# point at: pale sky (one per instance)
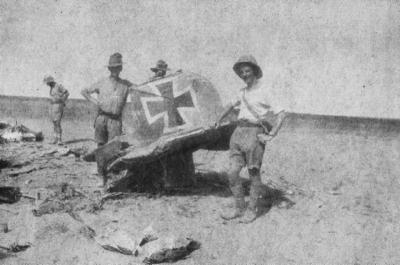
(322, 57)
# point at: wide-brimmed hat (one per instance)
(115, 60)
(161, 65)
(48, 79)
(248, 60)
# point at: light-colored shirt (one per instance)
(261, 101)
(58, 94)
(112, 94)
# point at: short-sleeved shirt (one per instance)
(58, 94)
(112, 94)
(261, 100)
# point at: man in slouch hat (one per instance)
(112, 93)
(160, 70)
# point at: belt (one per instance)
(246, 123)
(109, 115)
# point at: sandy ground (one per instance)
(344, 187)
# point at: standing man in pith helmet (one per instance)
(112, 93)
(58, 97)
(248, 141)
(160, 70)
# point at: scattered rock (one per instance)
(118, 241)
(28, 181)
(148, 235)
(18, 248)
(87, 232)
(63, 151)
(4, 227)
(289, 192)
(169, 249)
(51, 206)
(4, 163)
(15, 247)
(10, 194)
(65, 198)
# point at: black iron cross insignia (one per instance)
(168, 106)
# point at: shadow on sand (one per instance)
(211, 183)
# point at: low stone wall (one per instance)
(38, 108)
(79, 110)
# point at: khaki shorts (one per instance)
(56, 112)
(105, 129)
(245, 148)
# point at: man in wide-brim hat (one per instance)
(112, 93)
(254, 130)
(58, 97)
(160, 70)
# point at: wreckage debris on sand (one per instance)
(9, 194)
(15, 247)
(171, 251)
(152, 247)
(18, 133)
(164, 163)
(65, 199)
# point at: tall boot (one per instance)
(240, 204)
(255, 193)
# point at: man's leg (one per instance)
(57, 131)
(105, 155)
(56, 115)
(100, 130)
(255, 188)
(254, 157)
(236, 187)
(54, 140)
(101, 137)
(237, 162)
(255, 191)
(114, 128)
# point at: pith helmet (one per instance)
(48, 79)
(249, 60)
(115, 60)
(161, 65)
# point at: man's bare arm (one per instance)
(228, 110)
(87, 93)
(280, 118)
(65, 95)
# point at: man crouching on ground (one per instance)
(112, 95)
(247, 142)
